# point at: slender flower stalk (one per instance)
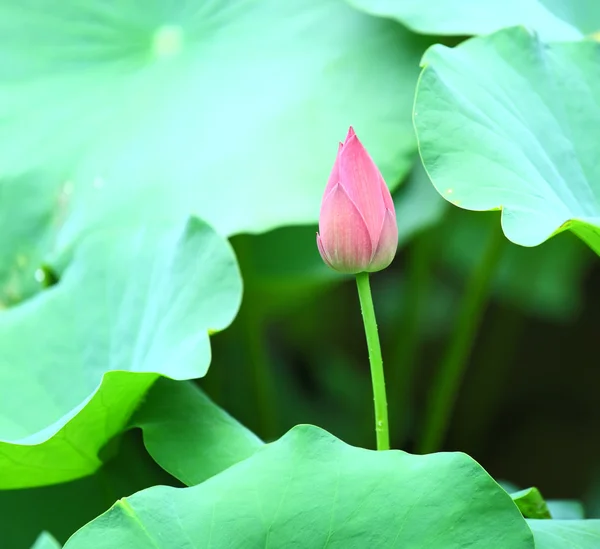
(358, 235)
(377, 377)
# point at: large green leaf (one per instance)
(563, 534)
(190, 436)
(553, 19)
(231, 110)
(311, 490)
(77, 359)
(508, 122)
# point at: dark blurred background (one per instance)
(527, 407)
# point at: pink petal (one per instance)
(350, 134)
(334, 177)
(387, 197)
(362, 181)
(323, 252)
(387, 243)
(344, 238)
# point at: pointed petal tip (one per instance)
(349, 135)
(362, 180)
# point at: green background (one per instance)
(165, 317)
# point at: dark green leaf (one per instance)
(64, 508)
(190, 436)
(531, 504)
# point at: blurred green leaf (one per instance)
(132, 304)
(229, 110)
(188, 435)
(46, 541)
(563, 534)
(566, 509)
(507, 485)
(552, 19)
(531, 503)
(508, 122)
(282, 267)
(309, 489)
(546, 281)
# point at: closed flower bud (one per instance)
(357, 225)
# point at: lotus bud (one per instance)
(357, 224)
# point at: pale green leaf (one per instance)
(131, 305)
(565, 534)
(229, 110)
(46, 541)
(566, 509)
(553, 19)
(509, 122)
(309, 489)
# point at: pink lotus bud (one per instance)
(357, 225)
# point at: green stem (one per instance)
(263, 378)
(377, 377)
(454, 362)
(251, 321)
